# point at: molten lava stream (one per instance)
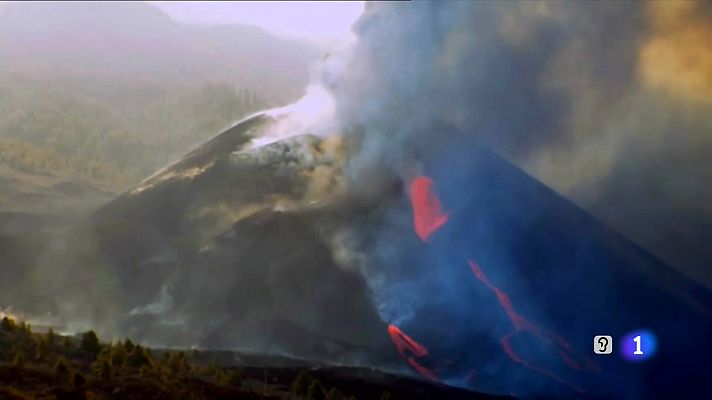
(520, 323)
(428, 216)
(404, 342)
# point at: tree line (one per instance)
(111, 134)
(84, 364)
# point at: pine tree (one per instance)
(315, 391)
(214, 367)
(41, 348)
(90, 345)
(234, 378)
(102, 369)
(51, 340)
(118, 355)
(300, 385)
(334, 394)
(145, 371)
(78, 380)
(8, 324)
(24, 329)
(61, 370)
(138, 357)
(19, 360)
(104, 354)
(129, 346)
(178, 363)
(149, 353)
(67, 344)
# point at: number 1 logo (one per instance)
(638, 351)
(639, 345)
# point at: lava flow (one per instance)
(563, 348)
(428, 216)
(404, 342)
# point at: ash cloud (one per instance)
(606, 102)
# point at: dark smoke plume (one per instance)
(606, 102)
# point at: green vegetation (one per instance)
(300, 386)
(334, 394)
(90, 345)
(110, 133)
(61, 370)
(84, 367)
(316, 391)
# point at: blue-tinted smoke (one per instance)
(437, 88)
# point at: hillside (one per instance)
(138, 41)
(100, 95)
(263, 250)
(209, 239)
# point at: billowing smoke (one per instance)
(606, 102)
(479, 276)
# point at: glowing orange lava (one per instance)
(428, 216)
(562, 347)
(509, 350)
(404, 342)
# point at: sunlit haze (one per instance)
(320, 21)
(392, 199)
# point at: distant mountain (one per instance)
(101, 94)
(138, 41)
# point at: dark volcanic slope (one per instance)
(562, 276)
(226, 249)
(231, 248)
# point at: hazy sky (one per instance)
(318, 21)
